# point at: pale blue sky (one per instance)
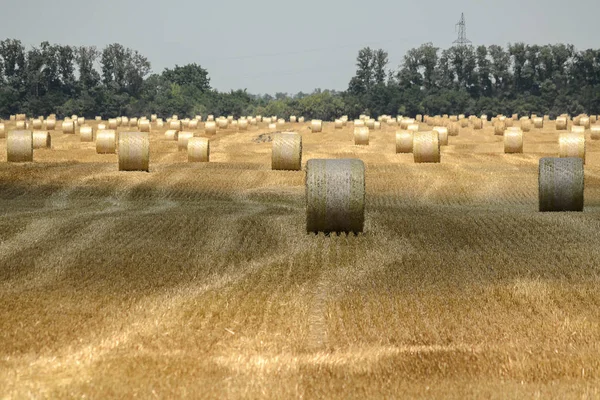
(270, 46)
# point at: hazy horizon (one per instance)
(269, 47)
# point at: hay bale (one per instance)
(561, 124)
(335, 195)
(361, 136)
(338, 124)
(585, 122)
(182, 140)
(499, 128)
(509, 122)
(359, 123)
(41, 140)
(560, 184)
(595, 129)
(80, 121)
(36, 124)
(464, 123)
(210, 128)
(442, 134)
(301, 120)
(2, 130)
(593, 119)
(243, 124)
(159, 123)
(513, 141)
(185, 123)
(412, 127)
(392, 122)
(144, 125)
(50, 124)
(426, 147)
(153, 117)
(134, 151)
(210, 117)
(538, 122)
(86, 133)
(198, 149)
(419, 118)
(19, 146)
(193, 124)
(405, 122)
(222, 123)
(124, 121)
(21, 125)
(370, 123)
(293, 119)
(477, 124)
(174, 117)
(286, 153)
(526, 126)
(172, 134)
(102, 127)
(316, 125)
(106, 141)
(571, 145)
(453, 129)
(577, 129)
(280, 123)
(175, 125)
(484, 118)
(112, 123)
(68, 127)
(404, 142)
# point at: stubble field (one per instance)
(199, 280)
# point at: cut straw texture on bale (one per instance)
(36, 124)
(513, 141)
(106, 141)
(134, 151)
(144, 125)
(442, 134)
(2, 130)
(316, 125)
(499, 128)
(335, 195)
(210, 128)
(198, 149)
(426, 147)
(404, 142)
(41, 140)
(171, 134)
(595, 129)
(112, 123)
(538, 122)
(571, 145)
(182, 140)
(560, 184)
(86, 133)
(19, 146)
(68, 127)
(50, 124)
(287, 152)
(361, 136)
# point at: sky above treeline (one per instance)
(269, 46)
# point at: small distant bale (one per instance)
(172, 134)
(86, 133)
(106, 141)
(426, 147)
(68, 126)
(293, 119)
(358, 123)
(159, 123)
(175, 125)
(198, 149)
(210, 117)
(210, 127)
(112, 123)
(50, 124)
(571, 145)
(301, 120)
(21, 125)
(513, 141)
(509, 122)
(80, 121)
(338, 124)
(442, 134)
(19, 146)
(453, 129)
(102, 127)
(561, 184)
(36, 124)
(419, 118)
(243, 124)
(370, 123)
(585, 122)
(405, 122)
(412, 127)
(335, 196)
(134, 151)
(316, 125)
(193, 124)
(561, 124)
(361, 136)
(499, 128)
(538, 122)
(41, 140)
(182, 140)
(464, 123)
(577, 129)
(286, 153)
(595, 129)
(477, 124)
(404, 142)
(377, 125)
(222, 123)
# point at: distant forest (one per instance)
(65, 80)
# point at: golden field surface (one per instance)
(200, 281)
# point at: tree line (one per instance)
(520, 78)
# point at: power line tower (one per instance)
(461, 27)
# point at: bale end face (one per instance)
(335, 196)
(561, 184)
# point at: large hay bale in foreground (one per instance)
(86, 133)
(316, 125)
(426, 147)
(595, 129)
(335, 195)
(560, 184)
(198, 149)
(404, 142)
(41, 140)
(513, 141)
(286, 153)
(182, 140)
(361, 136)
(210, 128)
(19, 146)
(442, 134)
(106, 141)
(571, 145)
(134, 151)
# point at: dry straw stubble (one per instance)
(19, 146)
(335, 195)
(286, 151)
(134, 151)
(561, 184)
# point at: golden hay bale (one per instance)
(412, 127)
(301, 120)
(377, 125)
(477, 124)
(571, 145)
(41, 140)
(293, 119)
(2, 130)
(483, 117)
(419, 118)
(21, 125)
(243, 124)
(198, 149)
(222, 123)
(182, 139)
(133, 122)
(453, 129)
(593, 119)
(12, 118)
(174, 117)
(585, 122)
(442, 134)
(210, 118)
(119, 121)
(144, 125)
(404, 142)
(286, 153)
(134, 151)
(361, 136)
(86, 133)
(464, 123)
(153, 117)
(513, 141)
(405, 122)
(370, 123)
(50, 124)
(595, 129)
(124, 121)
(526, 125)
(185, 123)
(499, 128)
(335, 195)
(112, 123)
(68, 126)
(193, 124)
(106, 141)
(453, 118)
(272, 127)
(577, 129)
(21, 117)
(538, 122)
(36, 124)
(19, 146)
(172, 134)
(509, 122)
(266, 120)
(159, 123)
(392, 122)
(560, 184)
(426, 147)
(80, 121)
(358, 123)
(338, 124)
(253, 121)
(515, 117)
(316, 125)
(175, 125)
(230, 118)
(561, 124)
(102, 127)
(210, 127)
(280, 123)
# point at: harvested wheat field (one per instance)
(200, 280)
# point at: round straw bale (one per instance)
(175, 125)
(172, 134)
(538, 122)
(19, 146)
(442, 134)
(405, 122)
(81, 121)
(41, 140)
(338, 124)
(392, 122)
(560, 184)
(210, 127)
(571, 145)
(185, 123)
(112, 123)
(412, 127)
(50, 124)
(453, 129)
(585, 122)
(222, 123)
(86, 133)
(358, 123)
(144, 125)
(210, 117)
(499, 128)
(404, 142)
(266, 120)
(125, 121)
(102, 127)
(426, 147)
(280, 123)
(106, 141)
(193, 124)
(230, 118)
(159, 123)
(253, 121)
(419, 118)
(174, 117)
(464, 123)
(595, 129)
(2, 130)
(12, 118)
(561, 124)
(272, 127)
(377, 125)
(134, 151)
(513, 141)
(36, 124)
(593, 119)
(293, 119)
(335, 195)
(477, 124)
(361, 136)
(316, 125)
(286, 153)
(182, 140)
(68, 126)
(153, 117)
(526, 125)
(301, 120)
(370, 123)
(483, 117)
(243, 124)
(21, 125)
(119, 121)
(578, 129)
(509, 122)
(198, 149)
